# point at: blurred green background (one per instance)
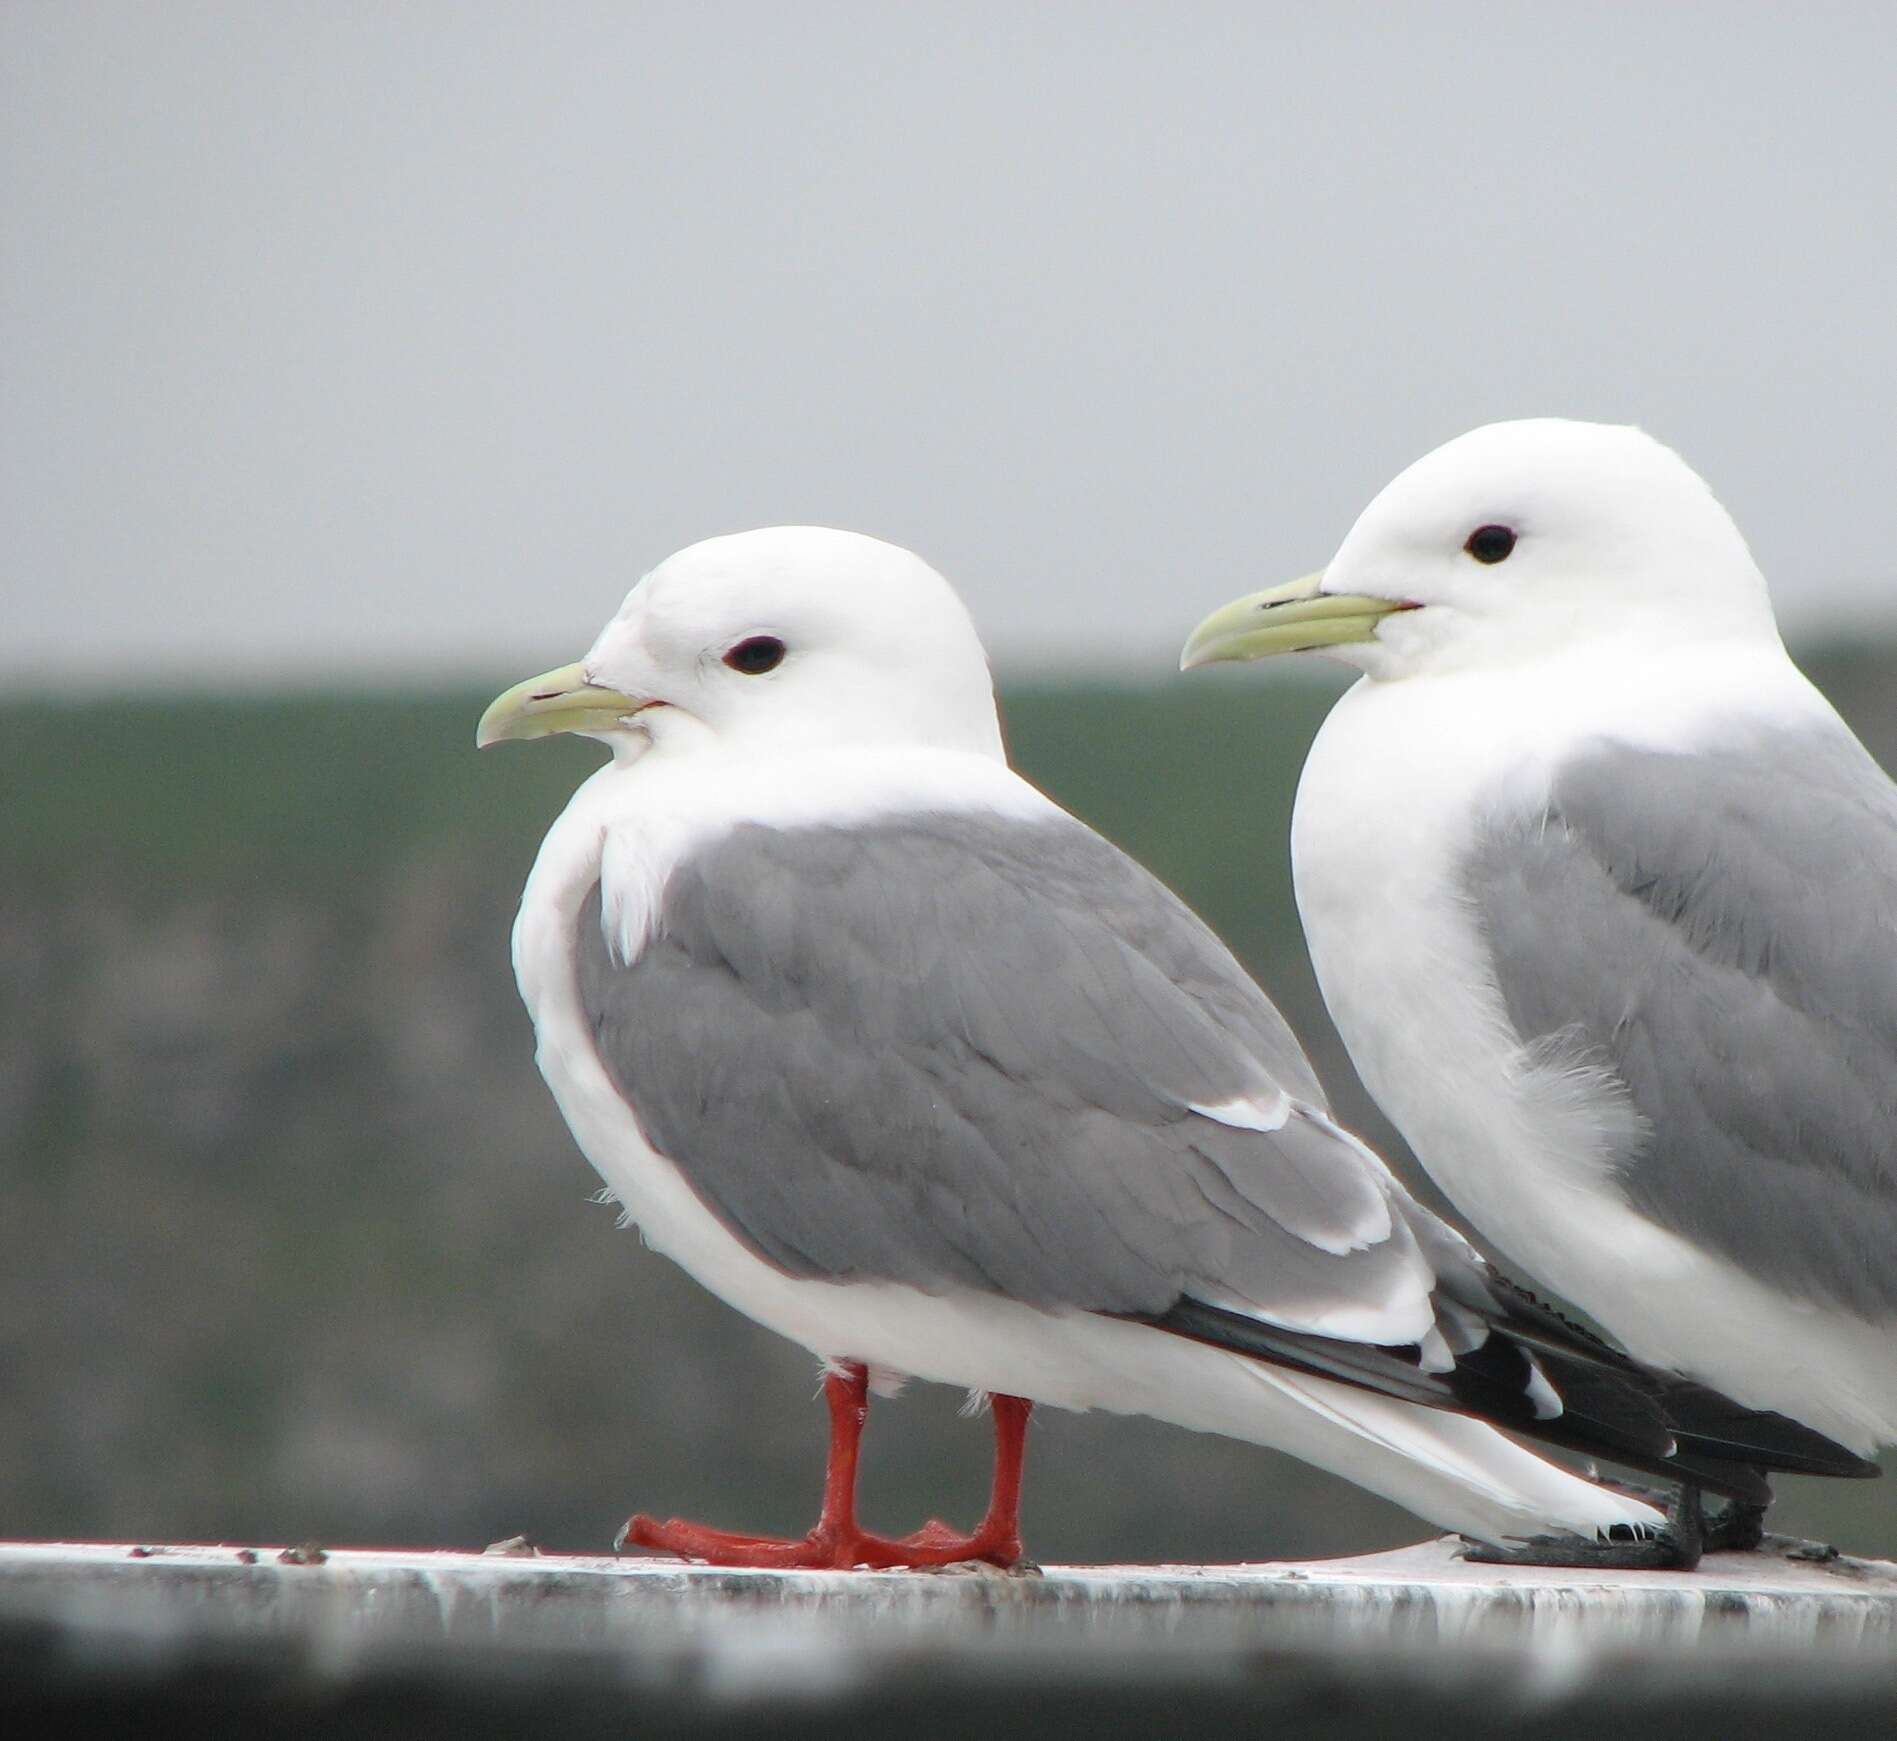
(293, 1243)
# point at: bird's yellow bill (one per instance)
(1295, 618)
(553, 702)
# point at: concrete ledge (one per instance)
(1418, 1594)
(418, 1637)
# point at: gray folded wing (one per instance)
(965, 1052)
(1720, 931)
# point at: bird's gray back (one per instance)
(1720, 929)
(961, 1052)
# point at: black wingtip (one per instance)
(1712, 1429)
(1712, 1425)
(1606, 1412)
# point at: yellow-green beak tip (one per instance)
(1298, 617)
(554, 702)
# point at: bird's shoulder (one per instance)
(931, 913)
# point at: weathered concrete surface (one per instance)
(1417, 1595)
(387, 1640)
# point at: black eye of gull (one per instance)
(755, 655)
(1490, 543)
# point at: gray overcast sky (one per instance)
(390, 338)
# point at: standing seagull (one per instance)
(1603, 897)
(901, 1060)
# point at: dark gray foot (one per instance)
(1658, 1553)
(1737, 1528)
(1676, 1548)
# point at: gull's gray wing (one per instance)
(1720, 931)
(964, 1051)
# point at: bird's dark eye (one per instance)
(1490, 543)
(755, 655)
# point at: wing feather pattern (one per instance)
(1716, 935)
(962, 1052)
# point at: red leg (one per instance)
(997, 1538)
(846, 1392)
(837, 1541)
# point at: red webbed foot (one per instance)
(823, 1549)
(995, 1543)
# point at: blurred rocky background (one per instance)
(294, 1244)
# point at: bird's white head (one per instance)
(785, 638)
(1512, 543)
